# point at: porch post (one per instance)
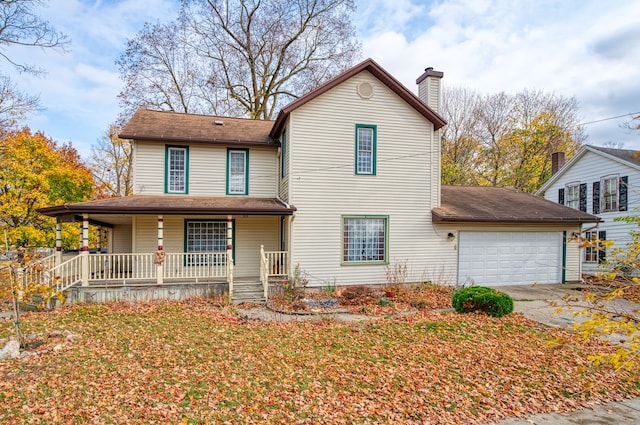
(160, 254)
(230, 254)
(58, 257)
(84, 250)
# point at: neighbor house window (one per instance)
(573, 196)
(364, 239)
(595, 251)
(610, 194)
(204, 237)
(366, 149)
(177, 164)
(237, 172)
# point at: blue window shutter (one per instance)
(561, 196)
(596, 197)
(583, 197)
(622, 193)
(602, 253)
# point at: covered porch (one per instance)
(232, 242)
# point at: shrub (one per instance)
(481, 298)
(355, 295)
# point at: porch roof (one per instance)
(503, 205)
(174, 205)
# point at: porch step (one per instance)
(248, 292)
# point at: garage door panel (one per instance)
(509, 258)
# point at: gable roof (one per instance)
(627, 157)
(164, 126)
(387, 79)
(502, 205)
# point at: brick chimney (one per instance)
(557, 161)
(429, 89)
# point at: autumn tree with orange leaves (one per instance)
(36, 172)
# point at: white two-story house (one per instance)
(600, 181)
(344, 184)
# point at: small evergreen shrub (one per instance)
(481, 298)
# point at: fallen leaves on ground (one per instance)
(187, 362)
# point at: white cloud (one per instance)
(572, 48)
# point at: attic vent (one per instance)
(218, 122)
(365, 90)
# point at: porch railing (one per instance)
(195, 265)
(121, 267)
(272, 264)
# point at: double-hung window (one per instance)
(203, 239)
(364, 239)
(176, 171)
(609, 194)
(595, 250)
(237, 172)
(366, 149)
(573, 196)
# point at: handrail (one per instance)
(272, 264)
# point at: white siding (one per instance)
(591, 167)
(207, 170)
(323, 184)
(121, 239)
(250, 233)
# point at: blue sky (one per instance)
(569, 47)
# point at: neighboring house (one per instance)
(344, 184)
(600, 181)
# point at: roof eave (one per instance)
(271, 143)
(63, 210)
(439, 218)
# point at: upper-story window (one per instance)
(366, 149)
(177, 169)
(283, 153)
(573, 195)
(237, 172)
(610, 194)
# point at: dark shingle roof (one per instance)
(502, 205)
(176, 127)
(174, 204)
(629, 155)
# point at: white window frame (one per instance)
(176, 174)
(572, 195)
(365, 239)
(591, 254)
(609, 200)
(237, 178)
(366, 135)
(204, 236)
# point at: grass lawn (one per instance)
(190, 362)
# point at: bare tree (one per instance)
(506, 140)
(20, 26)
(14, 104)
(240, 57)
(459, 138)
(111, 164)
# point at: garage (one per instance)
(510, 258)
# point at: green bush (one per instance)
(481, 298)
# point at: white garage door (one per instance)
(509, 258)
